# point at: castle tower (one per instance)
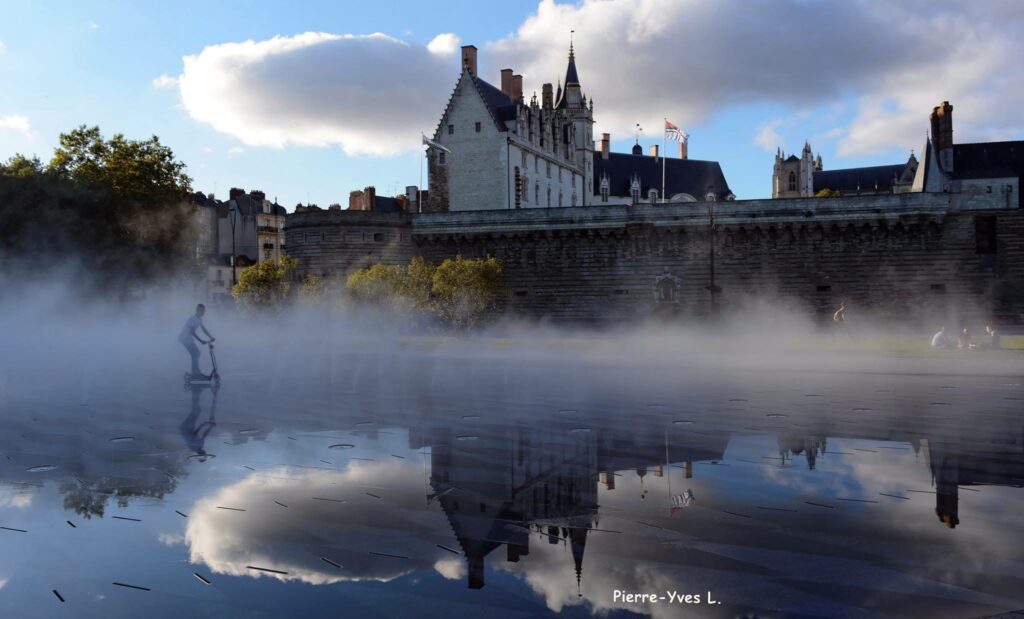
(574, 103)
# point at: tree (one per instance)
(265, 285)
(115, 205)
(20, 166)
(828, 193)
(313, 290)
(458, 291)
(463, 290)
(134, 170)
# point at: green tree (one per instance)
(383, 285)
(313, 290)
(828, 193)
(266, 285)
(20, 166)
(134, 170)
(465, 289)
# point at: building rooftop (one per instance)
(689, 176)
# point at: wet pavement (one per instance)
(436, 485)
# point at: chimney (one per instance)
(654, 150)
(257, 195)
(606, 143)
(369, 198)
(517, 88)
(235, 192)
(942, 134)
(506, 82)
(683, 154)
(412, 193)
(469, 59)
(355, 200)
(547, 96)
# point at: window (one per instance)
(524, 159)
(559, 199)
(985, 241)
(988, 189)
(548, 163)
(574, 198)
(521, 293)
(549, 197)
(536, 165)
(792, 181)
(451, 129)
(938, 287)
(536, 193)
(526, 189)
(478, 127)
(378, 237)
(824, 288)
(440, 158)
(604, 192)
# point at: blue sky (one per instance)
(313, 117)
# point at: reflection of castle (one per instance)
(996, 459)
(499, 491)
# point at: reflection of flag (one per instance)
(680, 501)
(433, 144)
(673, 132)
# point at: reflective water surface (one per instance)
(409, 484)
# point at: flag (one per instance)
(432, 144)
(673, 132)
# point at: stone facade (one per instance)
(942, 255)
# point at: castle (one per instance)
(585, 236)
(498, 152)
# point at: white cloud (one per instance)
(688, 59)
(768, 138)
(92, 25)
(3, 47)
(171, 539)
(369, 94)
(886, 63)
(165, 81)
(235, 151)
(446, 44)
(15, 123)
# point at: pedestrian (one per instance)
(188, 335)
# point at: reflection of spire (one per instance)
(578, 539)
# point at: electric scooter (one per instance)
(202, 379)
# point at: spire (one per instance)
(571, 78)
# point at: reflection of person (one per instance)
(995, 344)
(188, 335)
(195, 435)
(941, 340)
(966, 340)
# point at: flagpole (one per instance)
(419, 190)
(663, 153)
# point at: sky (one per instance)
(309, 101)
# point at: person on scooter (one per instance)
(188, 335)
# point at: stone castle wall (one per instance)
(903, 255)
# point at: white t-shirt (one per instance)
(939, 340)
(194, 322)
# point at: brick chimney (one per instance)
(235, 192)
(606, 143)
(369, 198)
(257, 195)
(654, 150)
(942, 134)
(469, 58)
(506, 82)
(547, 97)
(355, 200)
(517, 88)
(683, 154)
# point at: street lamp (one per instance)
(232, 216)
(712, 287)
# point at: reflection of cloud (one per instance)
(228, 542)
(171, 539)
(3, 583)
(452, 568)
(15, 499)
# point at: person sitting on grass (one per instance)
(995, 344)
(966, 340)
(941, 340)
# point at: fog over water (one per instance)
(525, 469)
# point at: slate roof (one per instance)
(501, 106)
(869, 179)
(988, 160)
(384, 204)
(690, 176)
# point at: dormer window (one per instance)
(604, 190)
(451, 129)
(440, 158)
(478, 127)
